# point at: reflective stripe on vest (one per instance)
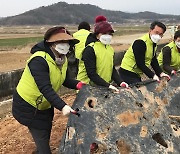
(28, 89)
(129, 62)
(175, 56)
(81, 35)
(104, 63)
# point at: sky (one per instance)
(15, 7)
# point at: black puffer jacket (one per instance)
(27, 114)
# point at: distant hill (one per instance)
(64, 13)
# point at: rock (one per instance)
(144, 119)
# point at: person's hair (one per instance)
(159, 24)
(177, 34)
(53, 31)
(84, 25)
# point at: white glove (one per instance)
(67, 109)
(173, 72)
(124, 84)
(113, 88)
(155, 77)
(165, 75)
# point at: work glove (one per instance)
(173, 72)
(165, 75)
(155, 77)
(113, 88)
(124, 84)
(66, 110)
(80, 85)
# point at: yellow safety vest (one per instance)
(104, 63)
(129, 62)
(175, 56)
(81, 35)
(28, 89)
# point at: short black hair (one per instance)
(177, 34)
(84, 25)
(159, 24)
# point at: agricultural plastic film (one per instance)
(144, 119)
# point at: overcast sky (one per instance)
(14, 7)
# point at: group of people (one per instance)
(96, 59)
(47, 70)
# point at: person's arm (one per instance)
(89, 59)
(116, 77)
(40, 72)
(167, 59)
(70, 83)
(139, 49)
(155, 65)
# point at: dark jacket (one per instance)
(27, 114)
(91, 38)
(166, 51)
(139, 49)
(89, 58)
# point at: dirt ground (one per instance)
(15, 138)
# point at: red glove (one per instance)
(124, 84)
(80, 85)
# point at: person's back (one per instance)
(81, 35)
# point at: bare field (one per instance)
(27, 31)
(15, 57)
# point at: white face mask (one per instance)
(155, 38)
(62, 48)
(106, 39)
(177, 44)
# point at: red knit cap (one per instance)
(100, 18)
(103, 27)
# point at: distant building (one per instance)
(173, 29)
